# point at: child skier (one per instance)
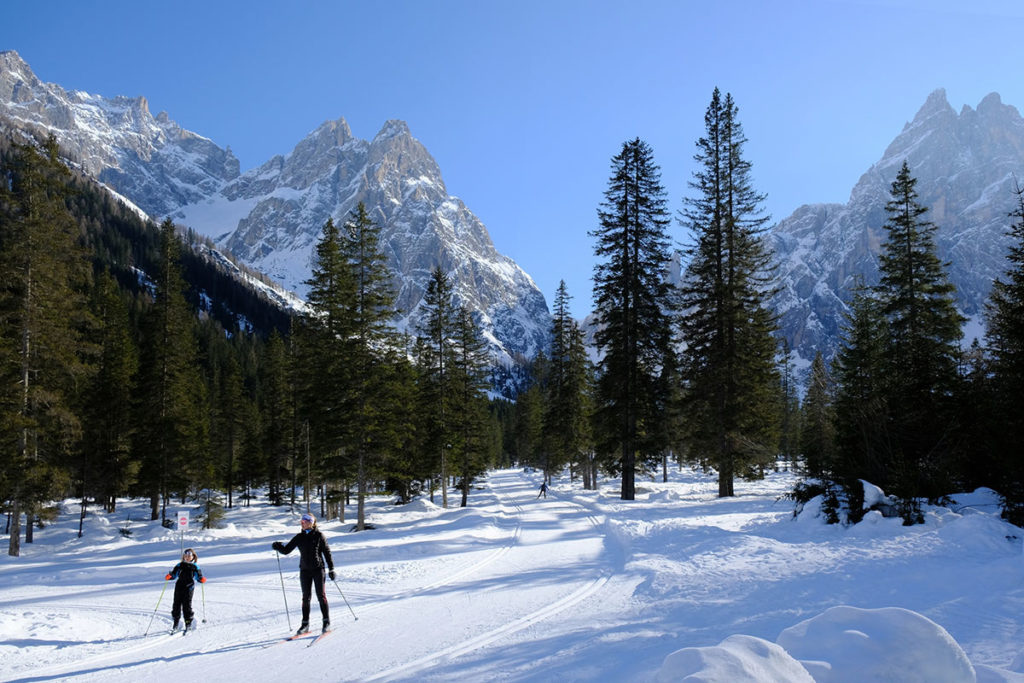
(187, 572)
(313, 554)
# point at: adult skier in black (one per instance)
(313, 555)
(187, 572)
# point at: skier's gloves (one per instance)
(167, 578)
(202, 580)
(331, 574)
(277, 546)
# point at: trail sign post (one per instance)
(183, 526)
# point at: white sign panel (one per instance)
(183, 520)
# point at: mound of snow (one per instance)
(886, 644)
(736, 659)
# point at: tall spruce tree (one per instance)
(43, 276)
(373, 347)
(324, 344)
(471, 426)
(1005, 341)
(434, 351)
(633, 309)
(277, 413)
(109, 465)
(567, 404)
(729, 363)
(863, 443)
(172, 416)
(922, 350)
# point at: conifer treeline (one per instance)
(695, 371)
(114, 386)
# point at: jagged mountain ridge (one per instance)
(150, 160)
(272, 216)
(966, 166)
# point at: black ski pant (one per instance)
(309, 577)
(182, 601)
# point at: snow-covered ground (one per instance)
(578, 586)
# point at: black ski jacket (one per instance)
(313, 550)
(187, 573)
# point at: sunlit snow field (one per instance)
(578, 586)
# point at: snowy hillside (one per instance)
(577, 586)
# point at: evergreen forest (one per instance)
(135, 364)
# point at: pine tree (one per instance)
(567, 405)
(789, 437)
(403, 469)
(277, 413)
(1005, 340)
(43, 277)
(172, 414)
(233, 415)
(922, 351)
(437, 327)
(633, 308)
(469, 374)
(817, 432)
(323, 346)
(373, 345)
(108, 425)
(863, 443)
(729, 364)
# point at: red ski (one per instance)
(318, 638)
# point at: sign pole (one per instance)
(182, 526)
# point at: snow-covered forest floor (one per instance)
(578, 586)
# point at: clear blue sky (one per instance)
(524, 103)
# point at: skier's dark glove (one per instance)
(331, 574)
(277, 546)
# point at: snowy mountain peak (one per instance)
(937, 104)
(965, 165)
(393, 128)
(271, 216)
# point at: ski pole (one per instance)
(155, 609)
(283, 594)
(335, 582)
(202, 587)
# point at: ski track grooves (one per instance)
(378, 602)
(500, 632)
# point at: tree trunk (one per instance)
(14, 546)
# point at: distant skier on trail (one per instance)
(187, 572)
(543, 489)
(313, 555)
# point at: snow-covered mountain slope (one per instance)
(965, 164)
(150, 160)
(271, 217)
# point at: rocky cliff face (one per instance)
(271, 216)
(966, 166)
(150, 160)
